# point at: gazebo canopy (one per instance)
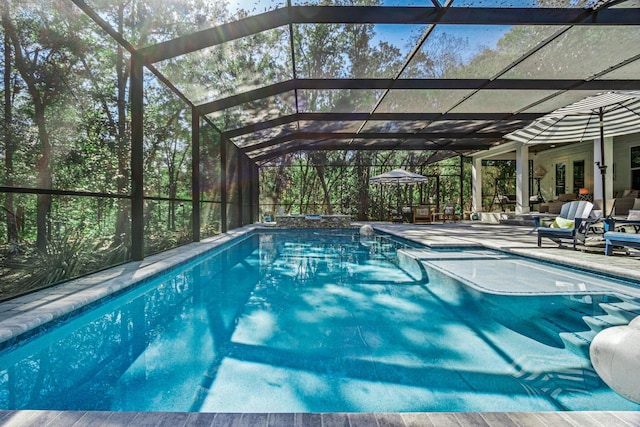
(454, 76)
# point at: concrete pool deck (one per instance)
(31, 311)
(519, 240)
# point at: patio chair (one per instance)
(407, 214)
(632, 220)
(572, 223)
(622, 206)
(448, 214)
(394, 216)
(421, 214)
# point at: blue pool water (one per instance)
(309, 322)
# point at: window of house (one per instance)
(561, 178)
(635, 168)
(578, 176)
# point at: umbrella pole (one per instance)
(601, 165)
(398, 196)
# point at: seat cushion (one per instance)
(634, 215)
(560, 222)
(556, 232)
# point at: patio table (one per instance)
(537, 219)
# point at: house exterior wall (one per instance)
(584, 151)
(567, 154)
(547, 159)
(622, 160)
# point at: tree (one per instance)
(44, 58)
(9, 144)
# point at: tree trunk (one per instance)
(12, 224)
(44, 181)
(362, 171)
(323, 183)
(279, 187)
(173, 191)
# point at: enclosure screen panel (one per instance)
(352, 50)
(501, 101)
(142, 20)
(420, 101)
(473, 51)
(337, 100)
(565, 57)
(255, 112)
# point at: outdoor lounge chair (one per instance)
(450, 214)
(572, 223)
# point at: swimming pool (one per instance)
(322, 322)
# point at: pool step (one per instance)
(618, 314)
(578, 342)
(623, 310)
(599, 323)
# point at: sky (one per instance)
(405, 36)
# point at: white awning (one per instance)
(580, 121)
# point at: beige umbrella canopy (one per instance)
(398, 177)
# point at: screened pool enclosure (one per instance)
(131, 127)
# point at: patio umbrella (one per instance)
(398, 177)
(598, 116)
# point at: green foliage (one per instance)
(70, 130)
(167, 225)
(338, 182)
(70, 253)
(499, 176)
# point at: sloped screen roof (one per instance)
(392, 75)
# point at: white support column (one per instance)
(476, 184)
(522, 179)
(597, 176)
